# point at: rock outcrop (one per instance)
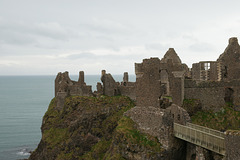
(95, 128)
(83, 122)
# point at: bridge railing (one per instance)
(201, 138)
(207, 130)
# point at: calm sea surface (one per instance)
(23, 102)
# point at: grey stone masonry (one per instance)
(232, 141)
(64, 87)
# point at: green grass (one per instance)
(134, 136)
(58, 133)
(98, 151)
(55, 136)
(167, 97)
(223, 120)
(192, 106)
(112, 130)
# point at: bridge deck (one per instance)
(207, 138)
(207, 130)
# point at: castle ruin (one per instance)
(212, 82)
(161, 87)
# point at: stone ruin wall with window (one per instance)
(216, 83)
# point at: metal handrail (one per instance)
(205, 129)
(199, 137)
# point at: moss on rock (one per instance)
(192, 106)
(93, 128)
(84, 125)
(130, 143)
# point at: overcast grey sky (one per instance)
(42, 37)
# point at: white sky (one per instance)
(44, 37)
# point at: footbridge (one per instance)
(202, 136)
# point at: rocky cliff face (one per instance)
(95, 128)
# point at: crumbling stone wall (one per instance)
(148, 85)
(112, 88)
(99, 89)
(178, 114)
(64, 87)
(62, 81)
(235, 95)
(212, 95)
(153, 121)
(226, 68)
(206, 71)
(156, 78)
(177, 87)
(230, 60)
(158, 123)
(176, 74)
(128, 89)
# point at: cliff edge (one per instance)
(95, 128)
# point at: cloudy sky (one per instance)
(44, 37)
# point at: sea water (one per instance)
(23, 102)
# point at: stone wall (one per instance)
(196, 71)
(213, 95)
(206, 71)
(112, 88)
(156, 78)
(158, 123)
(62, 81)
(154, 121)
(148, 85)
(210, 98)
(128, 89)
(178, 114)
(177, 87)
(230, 60)
(64, 87)
(232, 142)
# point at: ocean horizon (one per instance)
(23, 102)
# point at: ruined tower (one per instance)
(230, 60)
(156, 78)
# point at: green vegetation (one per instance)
(84, 128)
(93, 128)
(167, 97)
(223, 120)
(192, 106)
(133, 136)
(127, 139)
(55, 136)
(125, 134)
(98, 150)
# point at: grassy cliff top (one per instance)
(92, 128)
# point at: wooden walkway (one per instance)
(202, 136)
